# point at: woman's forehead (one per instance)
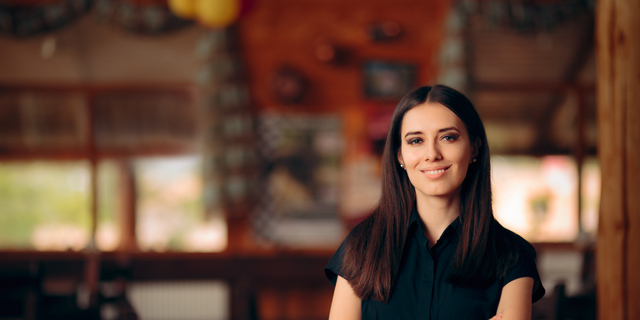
(430, 116)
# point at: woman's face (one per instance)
(435, 150)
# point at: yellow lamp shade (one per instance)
(217, 13)
(185, 9)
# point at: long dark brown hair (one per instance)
(374, 247)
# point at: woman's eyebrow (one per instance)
(441, 130)
(412, 133)
(448, 128)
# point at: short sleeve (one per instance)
(526, 267)
(334, 267)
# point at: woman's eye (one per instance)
(449, 138)
(415, 141)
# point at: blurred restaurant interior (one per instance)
(161, 161)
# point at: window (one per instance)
(45, 205)
(145, 143)
(170, 212)
(538, 197)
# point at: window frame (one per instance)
(91, 152)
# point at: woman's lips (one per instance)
(435, 173)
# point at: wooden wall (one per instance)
(288, 32)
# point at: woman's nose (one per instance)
(432, 152)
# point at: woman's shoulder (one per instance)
(520, 257)
(513, 242)
(354, 239)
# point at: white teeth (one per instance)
(434, 171)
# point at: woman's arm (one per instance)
(345, 304)
(515, 299)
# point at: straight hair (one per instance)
(485, 251)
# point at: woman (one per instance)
(432, 249)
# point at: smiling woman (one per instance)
(432, 243)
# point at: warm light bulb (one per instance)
(217, 13)
(185, 9)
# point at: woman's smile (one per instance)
(435, 173)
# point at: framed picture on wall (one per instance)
(302, 160)
(387, 80)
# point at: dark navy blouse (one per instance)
(422, 290)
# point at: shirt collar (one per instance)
(453, 227)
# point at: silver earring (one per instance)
(401, 166)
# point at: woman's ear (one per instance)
(400, 161)
(475, 148)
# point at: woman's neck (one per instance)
(437, 213)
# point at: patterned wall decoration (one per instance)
(145, 18)
(453, 59)
(23, 19)
(229, 156)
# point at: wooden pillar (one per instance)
(127, 212)
(618, 112)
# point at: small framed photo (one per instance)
(388, 80)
